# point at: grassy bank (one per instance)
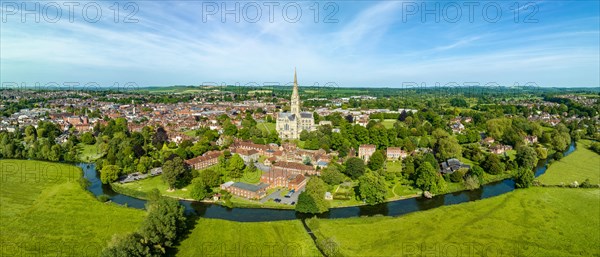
(577, 166)
(212, 237)
(529, 222)
(45, 212)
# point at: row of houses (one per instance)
(392, 153)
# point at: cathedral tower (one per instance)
(295, 101)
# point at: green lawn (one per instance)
(578, 166)
(45, 212)
(388, 123)
(89, 152)
(528, 222)
(212, 237)
(266, 126)
(394, 166)
(146, 185)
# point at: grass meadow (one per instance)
(527, 222)
(45, 212)
(578, 166)
(212, 237)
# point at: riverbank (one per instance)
(525, 222)
(577, 167)
(46, 212)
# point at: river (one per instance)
(393, 208)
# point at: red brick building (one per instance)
(206, 160)
(294, 168)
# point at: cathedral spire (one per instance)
(295, 101)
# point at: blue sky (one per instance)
(365, 43)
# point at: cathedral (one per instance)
(290, 124)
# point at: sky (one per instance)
(345, 44)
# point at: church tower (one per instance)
(295, 101)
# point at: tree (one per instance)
(372, 188)
(174, 172)
(109, 173)
(376, 161)
(524, 177)
(210, 177)
(472, 182)
(312, 200)
(526, 157)
(332, 176)
(88, 139)
(355, 167)
(458, 175)
(164, 222)
(129, 245)
(447, 148)
(408, 166)
(428, 179)
(492, 165)
(198, 190)
(236, 166)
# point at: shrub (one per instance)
(103, 198)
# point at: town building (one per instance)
(294, 168)
(289, 125)
(452, 165)
(396, 153)
(204, 161)
(246, 190)
(365, 152)
(289, 180)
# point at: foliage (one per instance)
(376, 161)
(523, 178)
(428, 179)
(526, 157)
(459, 175)
(332, 175)
(210, 177)
(472, 182)
(198, 189)
(312, 200)
(355, 167)
(109, 173)
(236, 166)
(372, 188)
(492, 164)
(165, 220)
(175, 173)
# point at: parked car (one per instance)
(277, 200)
(293, 203)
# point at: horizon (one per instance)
(355, 44)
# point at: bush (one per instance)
(103, 198)
(523, 178)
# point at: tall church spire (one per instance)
(295, 101)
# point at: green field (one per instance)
(578, 166)
(89, 152)
(266, 126)
(146, 185)
(45, 212)
(212, 237)
(528, 222)
(388, 123)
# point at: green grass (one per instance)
(212, 237)
(529, 222)
(251, 177)
(89, 152)
(393, 166)
(45, 212)
(146, 185)
(266, 126)
(578, 166)
(388, 123)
